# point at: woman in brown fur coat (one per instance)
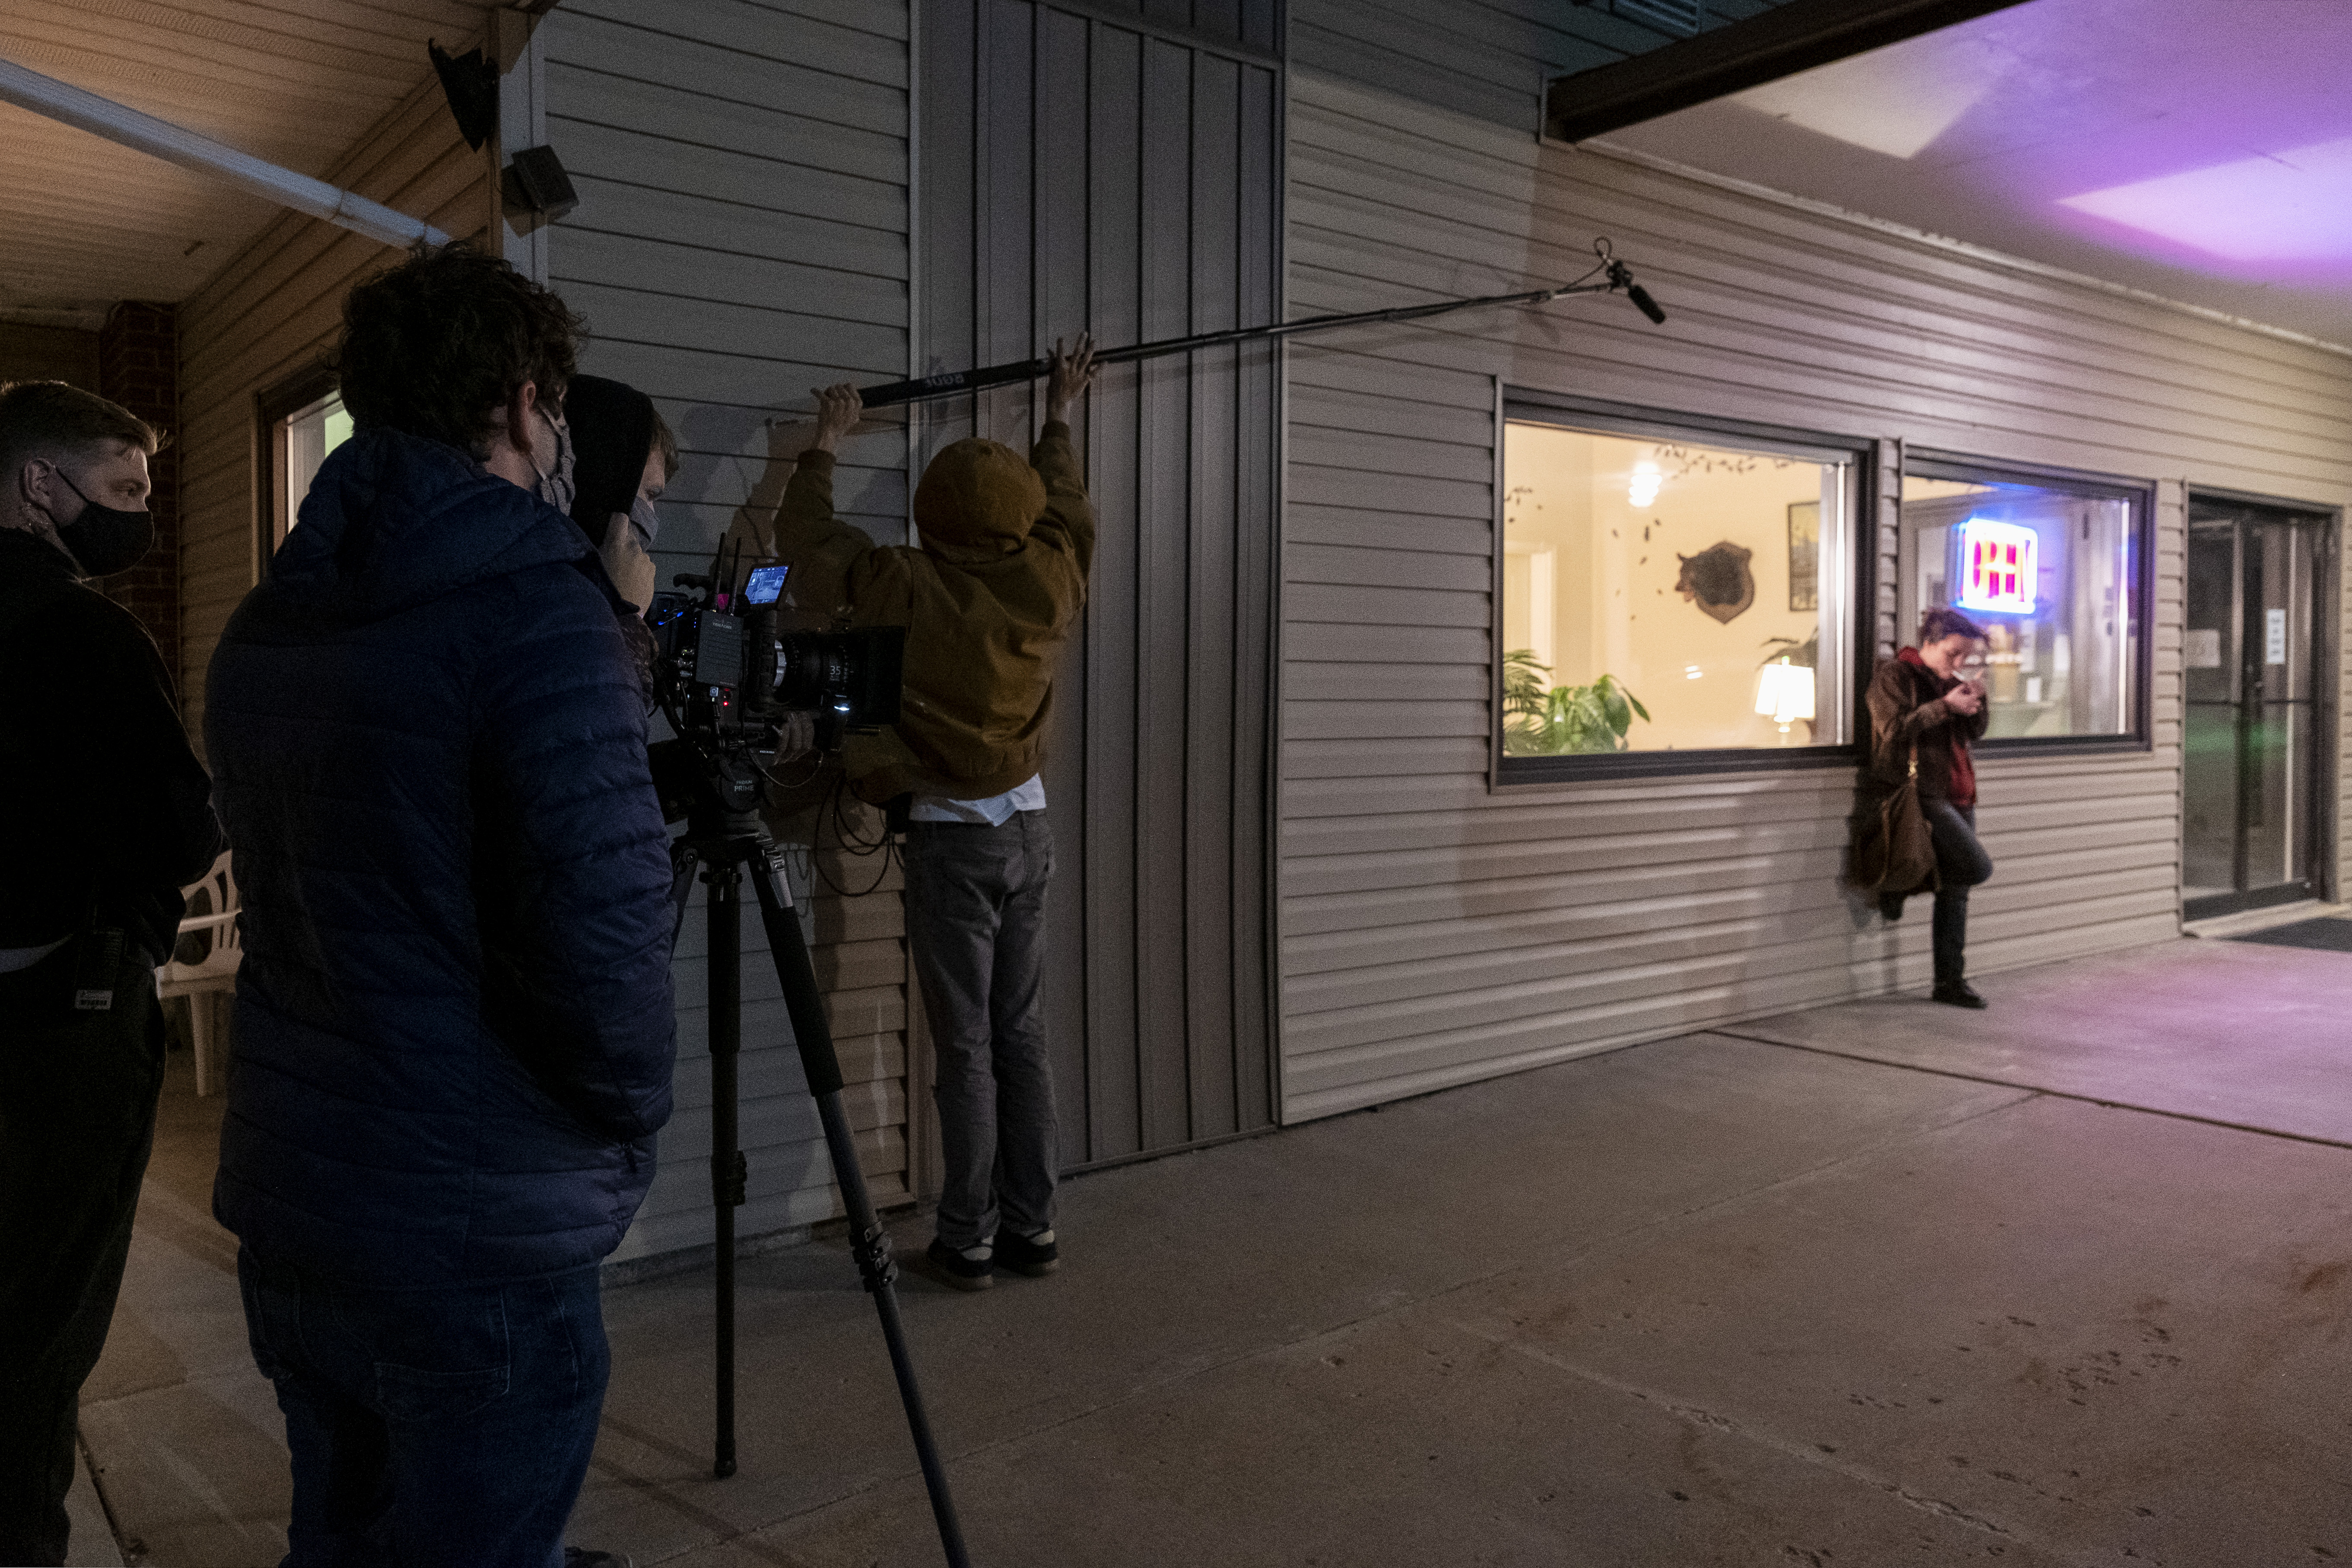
(1921, 701)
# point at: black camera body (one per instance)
(728, 678)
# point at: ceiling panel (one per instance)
(298, 83)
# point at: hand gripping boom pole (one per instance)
(1616, 279)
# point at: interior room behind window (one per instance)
(2060, 656)
(304, 439)
(1683, 569)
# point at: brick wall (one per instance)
(49, 353)
(139, 367)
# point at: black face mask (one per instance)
(105, 540)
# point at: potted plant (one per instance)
(1542, 720)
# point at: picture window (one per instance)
(2051, 569)
(1672, 595)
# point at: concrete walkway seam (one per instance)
(2038, 1088)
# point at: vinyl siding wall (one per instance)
(1434, 931)
(742, 236)
(270, 315)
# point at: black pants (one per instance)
(1960, 864)
(77, 1118)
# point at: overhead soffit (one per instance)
(1730, 52)
(2132, 141)
(299, 83)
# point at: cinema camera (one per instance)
(727, 679)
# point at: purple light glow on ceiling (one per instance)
(2292, 208)
(2198, 152)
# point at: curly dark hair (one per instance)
(438, 345)
(1944, 622)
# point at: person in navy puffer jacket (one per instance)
(454, 1034)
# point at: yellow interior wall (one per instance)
(1616, 609)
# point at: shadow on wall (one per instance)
(734, 464)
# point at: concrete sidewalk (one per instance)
(1995, 1292)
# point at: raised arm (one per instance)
(1069, 519)
(1896, 727)
(823, 550)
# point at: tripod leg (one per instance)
(728, 1167)
(683, 857)
(871, 1244)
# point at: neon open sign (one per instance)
(1997, 567)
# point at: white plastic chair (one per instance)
(204, 962)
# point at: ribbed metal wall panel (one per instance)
(1434, 931)
(1116, 167)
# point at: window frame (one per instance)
(1931, 463)
(271, 408)
(1601, 416)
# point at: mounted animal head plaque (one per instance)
(1717, 580)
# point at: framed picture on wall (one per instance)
(1805, 554)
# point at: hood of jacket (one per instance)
(977, 502)
(393, 520)
(612, 432)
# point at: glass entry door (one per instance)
(2255, 726)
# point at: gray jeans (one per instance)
(976, 926)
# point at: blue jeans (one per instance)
(976, 930)
(1960, 864)
(432, 1429)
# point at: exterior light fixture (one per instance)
(534, 182)
(1997, 567)
(1784, 694)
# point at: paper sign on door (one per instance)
(2274, 637)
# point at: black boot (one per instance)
(1958, 993)
(1891, 905)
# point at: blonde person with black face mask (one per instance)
(105, 814)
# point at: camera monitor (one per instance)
(764, 585)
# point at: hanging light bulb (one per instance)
(1646, 480)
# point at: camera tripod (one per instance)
(724, 841)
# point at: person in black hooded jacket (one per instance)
(453, 1028)
(626, 458)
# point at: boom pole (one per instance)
(955, 382)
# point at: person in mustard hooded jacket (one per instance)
(987, 600)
